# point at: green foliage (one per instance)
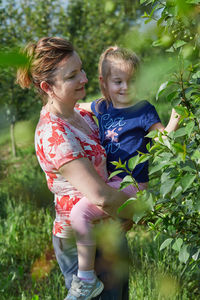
(174, 157)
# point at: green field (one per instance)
(28, 266)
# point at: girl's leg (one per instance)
(116, 284)
(82, 215)
(66, 255)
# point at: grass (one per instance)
(28, 267)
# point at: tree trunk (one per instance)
(12, 125)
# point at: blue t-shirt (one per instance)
(122, 133)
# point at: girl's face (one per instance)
(69, 80)
(118, 82)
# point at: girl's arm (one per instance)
(82, 175)
(171, 126)
(86, 106)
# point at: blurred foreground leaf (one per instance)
(12, 59)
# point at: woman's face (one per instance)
(69, 80)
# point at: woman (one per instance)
(70, 154)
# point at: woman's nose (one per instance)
(83, 77)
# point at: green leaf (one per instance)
(196, 75)
(118, 164)
(196, 255)
(177, 244)
(189, 127)
(127, 180)
(157, 168)
(129, 201)
(166, 187)
(35, 297)
(161, 89)
(180, 132)
(176, 101)
(144, 158)
(115, 173)
(171, 49)
(192, 1)
(133, 162)
(195, 155)
(145, 15)
(150, 203)
(182, 111)
(166, 243)
(178, 148)
(172, 95)
(109, 6)
(152, 134)
(186, 181)
(184, 254)
(178, 44)
(177, 191)
(138, 216)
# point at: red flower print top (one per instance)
(58, 142)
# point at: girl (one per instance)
(123, 125)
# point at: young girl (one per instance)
(123, 126)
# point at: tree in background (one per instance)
(90, 25)
(21, 22)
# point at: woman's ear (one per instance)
(45, 87)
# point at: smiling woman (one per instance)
(69, 152)
(68, 88)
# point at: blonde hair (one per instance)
(104, 67)
(43, 59)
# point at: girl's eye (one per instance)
(117, 82)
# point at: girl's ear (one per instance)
(46, 87)
(102, 82)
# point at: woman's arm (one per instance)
(86, 106)
(82, 175)
(171, 126)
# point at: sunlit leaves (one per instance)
(133, 162)
(175, 160)
(166, 187)
(177, 244)
(187, 181)
(184, 254)
(166, 243)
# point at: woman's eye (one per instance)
(71, 77)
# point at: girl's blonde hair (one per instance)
(43, 59)
(111, 54)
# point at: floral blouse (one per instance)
(58, 142)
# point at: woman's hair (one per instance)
(43, 59)
(111, 54)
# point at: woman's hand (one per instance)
(126, 225)
(82, 175)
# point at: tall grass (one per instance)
(28, 267)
